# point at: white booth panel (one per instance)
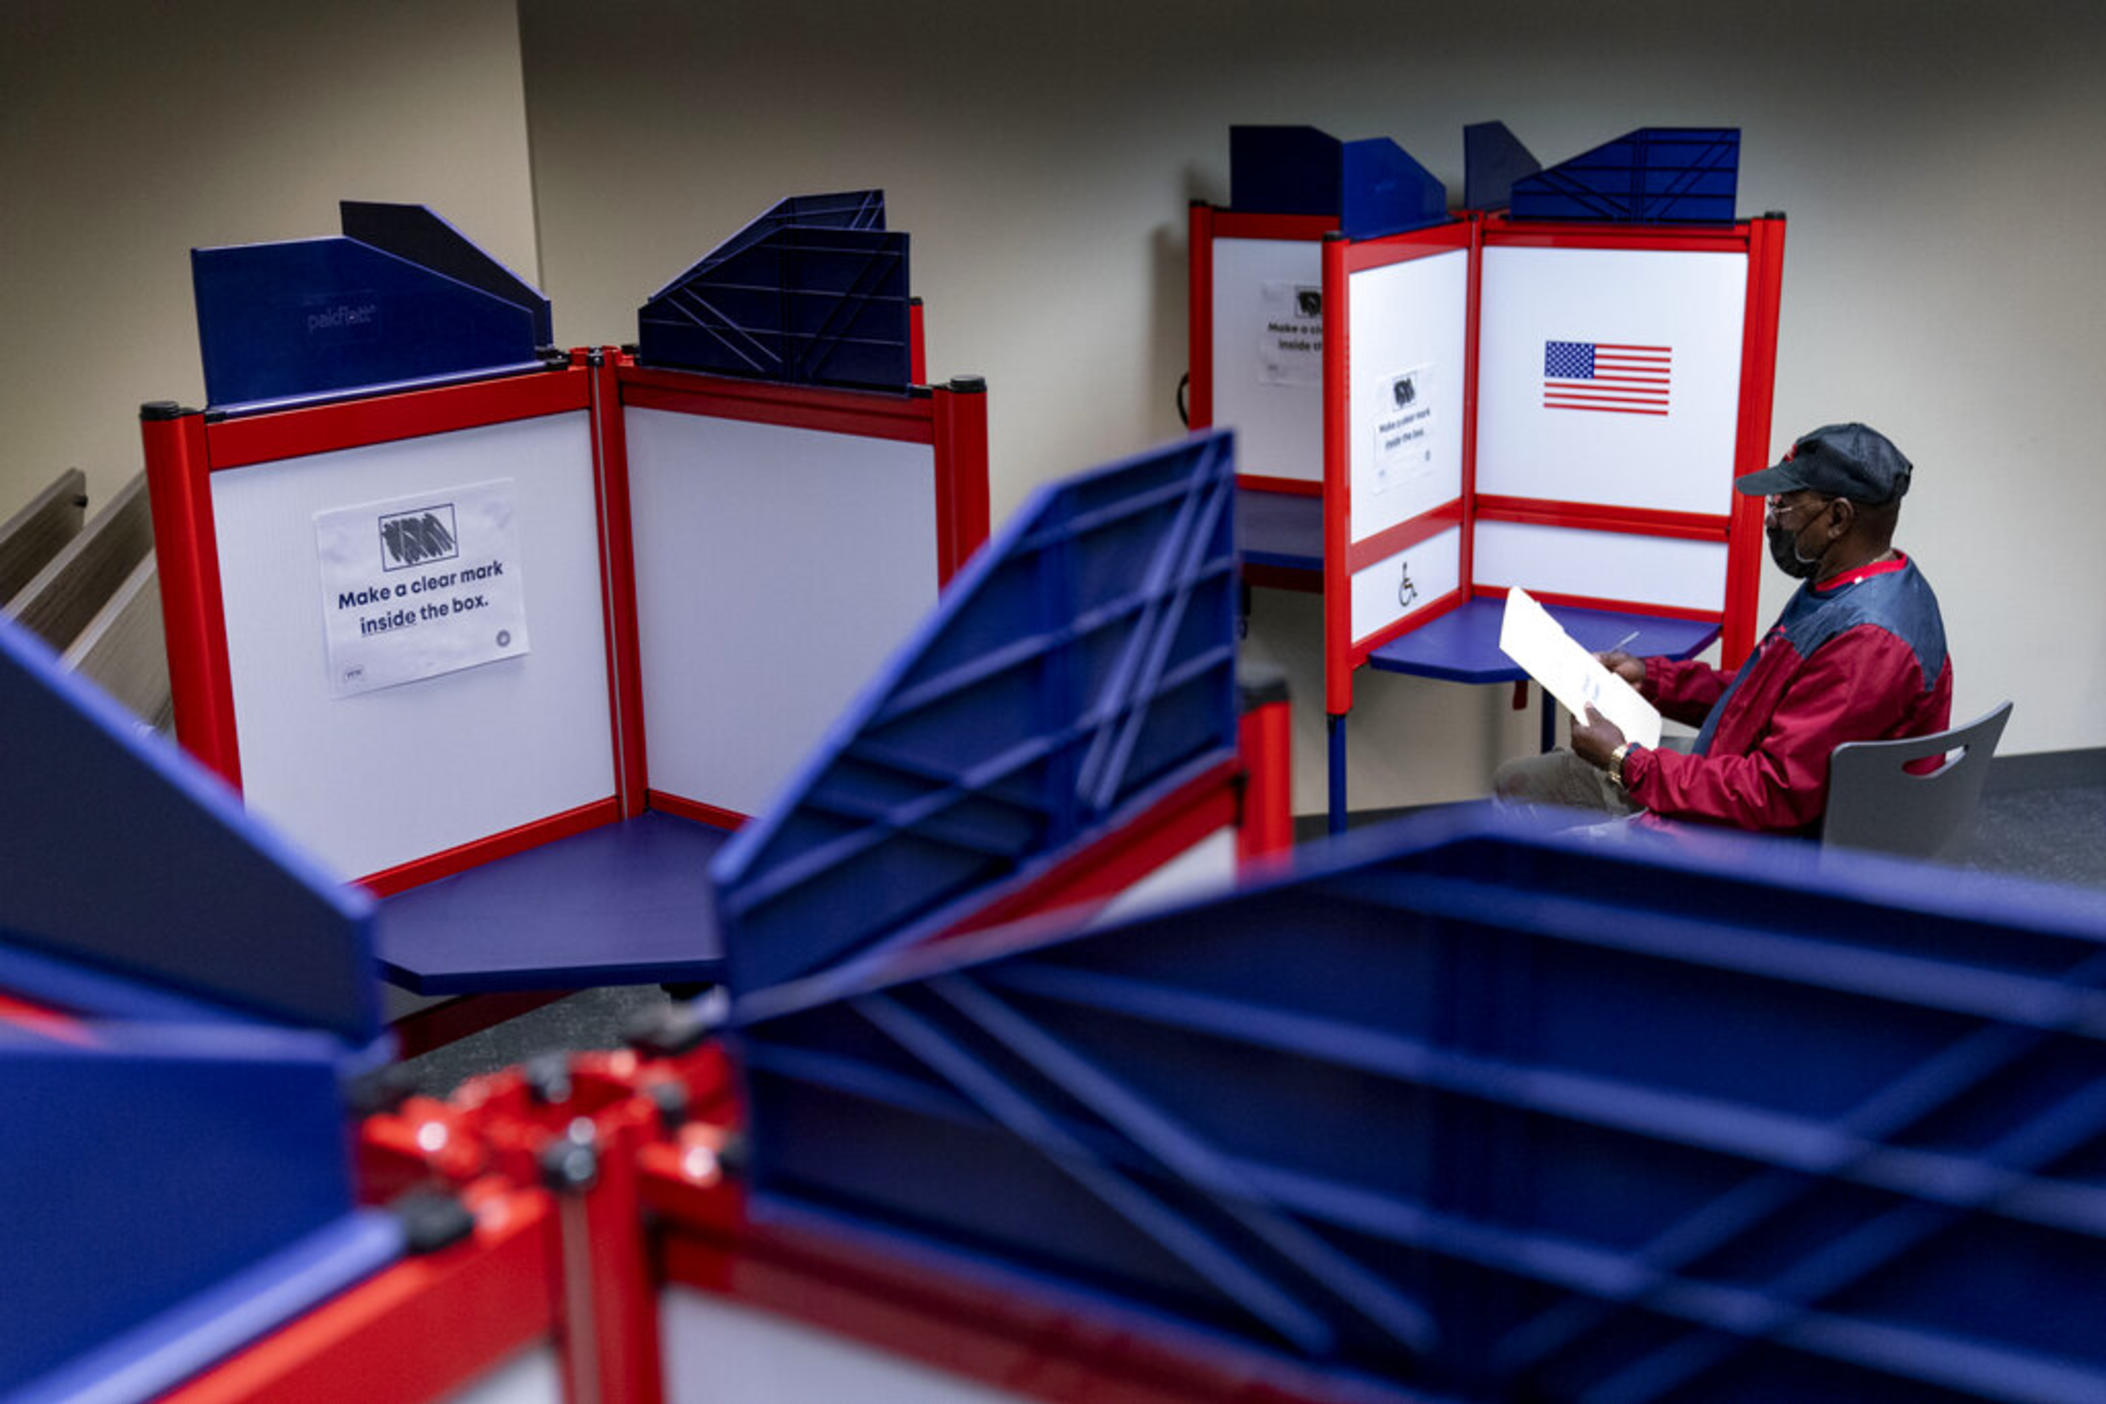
(1407, 328)
(1206, 869)
(1688, 304)
(1268, 354)
(532, 1377)
(1604, 565)
(776, 570)
(719, 1352)
(378, 778)
(1407, 582)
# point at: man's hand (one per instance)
(1595, 738)
(1623, 665)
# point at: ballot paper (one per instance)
(1529, 636)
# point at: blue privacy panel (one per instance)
(1655, 175)
(813, 292)
(1487, 1114)
(1493, 159)
(1373, 186)
(123, 855)
(1078, 669)
(414, 233)
(316, 317)
(147, 1168)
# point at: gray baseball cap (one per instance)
(1841, 460)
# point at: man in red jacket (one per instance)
(1857, 655)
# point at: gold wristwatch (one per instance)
(1616, 764)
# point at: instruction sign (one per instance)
(415, 587)
(1291, 342)
(1404, 429)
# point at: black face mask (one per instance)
(1784, 550)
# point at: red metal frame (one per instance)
(1603, 602)
(1199, 316)
(457, 1018)
(1342, 555)
(193, 618)
(951, 419)
(713, 815)
(420, 1330)
(1265, 834)
(183, 452)
(961, 475)
(1293, 487)
(1758, 363)
(1205, 224)
(488, 849)
(610, 458)
(1740, 528)
(1202, 806)
(917, 343)
(1594, 516)
(1338, 486)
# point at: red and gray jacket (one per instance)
(1857, 658)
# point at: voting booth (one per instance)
(1063, 732)
(1706, 1116)
(1556, 396)
(438, 596)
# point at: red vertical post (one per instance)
(1758, 383)
(1199, 259)
(917, 343)
(610, 464)
(1472, 316)
(193, 614)
(961, 473)
(1338, 483)
(1265, 738)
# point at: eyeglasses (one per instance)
(1777, 504)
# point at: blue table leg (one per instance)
(1338, 781)
(1550, 720)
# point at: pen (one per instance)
(1621, 642)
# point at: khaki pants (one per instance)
(1561, 779)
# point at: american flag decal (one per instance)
(1619, 379)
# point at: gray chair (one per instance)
(1874, 803)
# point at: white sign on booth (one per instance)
(415, 587)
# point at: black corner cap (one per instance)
(163, 409)
(680, 1027)
(548, 1078)
(1773, 214)
(570, 1167)
(968, 385)
(1332, 235)
(379, 1090)
(669, 1095)
(913, 302)
(734, 1155)
(629, 348)
(1261, 686)
(555, 359)
(431, 1220)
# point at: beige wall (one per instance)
(131, 132)
(1941, 165)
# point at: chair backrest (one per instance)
(1875, 802)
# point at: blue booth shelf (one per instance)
(400, 299)
(1464, 1111)
(814, 292)
(1655, 175)
(1373, 186)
